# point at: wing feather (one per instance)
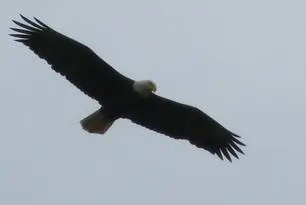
(78, 63)
(182, 121)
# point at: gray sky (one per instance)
(242, 62)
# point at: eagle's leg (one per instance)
(98, 122)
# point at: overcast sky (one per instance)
(241, 62)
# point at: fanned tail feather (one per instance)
(97, 123)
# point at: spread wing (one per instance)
(78, 63)
(181, 121)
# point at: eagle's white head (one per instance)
(144, 87)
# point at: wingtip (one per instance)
(23, 17)
(14, 21)
(218, 153)
(40, 22)
(226, 154)
(238, 141)
(232, 151)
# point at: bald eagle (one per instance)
(122, 97)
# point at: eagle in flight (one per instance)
(122, 97)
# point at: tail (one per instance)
(97, 122)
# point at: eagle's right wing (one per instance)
(78, 63)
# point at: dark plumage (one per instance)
(118, 96)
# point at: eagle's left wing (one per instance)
(182, 121)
